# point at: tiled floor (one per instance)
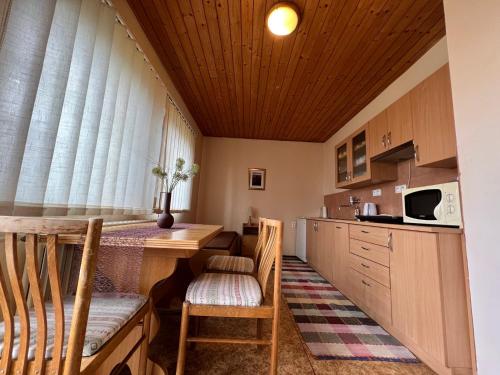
(294, 358)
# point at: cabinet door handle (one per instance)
(364, 265)
(338, 227)
(389, 138)
(384, 141)
(365, 248)
(417, 153)
(365, 231)
(389, 242)
(365, 283)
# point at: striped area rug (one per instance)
(331, 326)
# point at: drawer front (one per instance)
(371, 269)
(376, 253)
(375, 299)
(375, 235)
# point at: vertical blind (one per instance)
(81, 113)
(179, 141)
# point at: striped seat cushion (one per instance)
(228, 263)
(226, 289)
(108, 313)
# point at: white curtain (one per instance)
(180, 142)
(81, 111)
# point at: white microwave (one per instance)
(433, 205)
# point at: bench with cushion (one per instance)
(225, 243)
(228, 241)
(238, 264)
(108, 313)
(82, 334)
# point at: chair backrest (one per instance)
(260, 242)
(35, 230)
(271, 254)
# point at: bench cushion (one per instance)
(108, 313)
(226, 289)
(223, 240)
(229, 263)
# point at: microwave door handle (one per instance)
(438, 212)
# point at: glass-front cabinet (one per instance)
(352, 157)
(359, 156)
(342, 164)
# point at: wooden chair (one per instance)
(29, 335)
(238, 264)
(245, 300)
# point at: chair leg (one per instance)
(259, 328)
(145, 344)
(196, 331)
(181, 356)
(274, 342)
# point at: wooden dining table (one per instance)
(165, 272)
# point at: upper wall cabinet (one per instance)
(433, 123)
(377, 127)
(391, 128)
(399, 122)
(354, 168)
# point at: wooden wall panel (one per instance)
(239, 80)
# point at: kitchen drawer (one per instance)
(375, 235)
(371, 269)
(372, 297)
(376, 253)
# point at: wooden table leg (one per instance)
(164, 279)
(154, 269)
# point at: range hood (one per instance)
(404, 152)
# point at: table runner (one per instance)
(119, 258)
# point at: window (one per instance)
(179, 142)
(81, 114)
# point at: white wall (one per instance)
(293, 186)
(473, 29)
(435, 58)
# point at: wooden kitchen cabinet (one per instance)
(353, 165)
(433, 122)
(340, 259)
(320, 246)
(354, 168)
(325, 247)
(429, 298)
(311, 240)
(391, 128)
(377, 128)
(327, 244)
(411, 281)
(399, 122)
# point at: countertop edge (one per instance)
(416, 228)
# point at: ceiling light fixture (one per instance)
(283, 18)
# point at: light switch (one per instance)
(377, 192)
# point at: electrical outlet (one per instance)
(376, 192)
(294, 224)
(398, 189)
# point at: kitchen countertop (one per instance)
(418, 228)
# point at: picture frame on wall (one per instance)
(256, 179)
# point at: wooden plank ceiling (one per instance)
(239, 80)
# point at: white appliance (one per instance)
(300, 239)
(433, 205)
